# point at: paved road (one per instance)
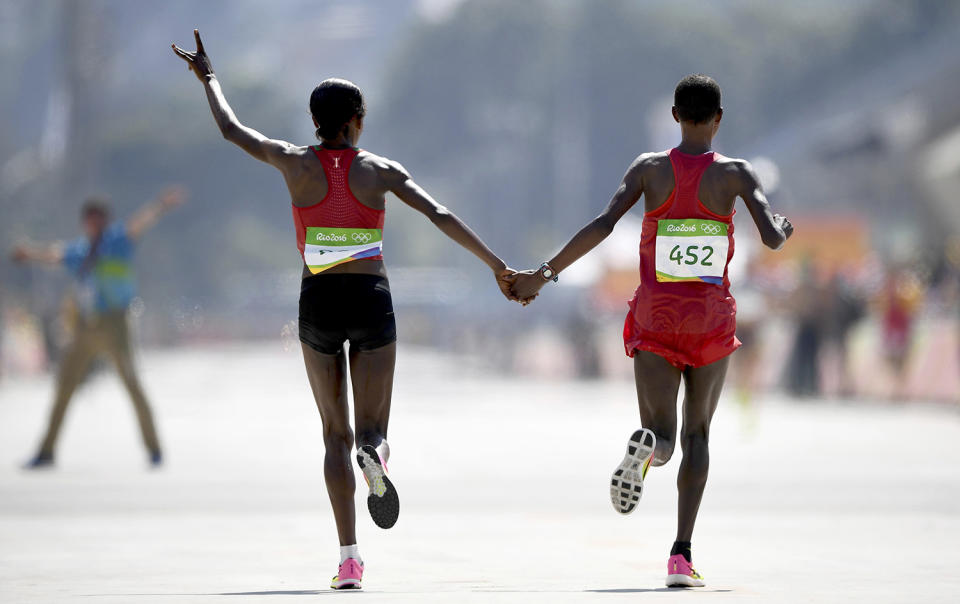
(503, 487)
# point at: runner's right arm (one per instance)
(528, 283)
(271, 151)
(774, 228)
(51, 253)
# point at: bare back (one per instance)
(719, 188)
(368, 180)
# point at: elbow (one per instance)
(441, 216)
(229, 131)
(603, 225)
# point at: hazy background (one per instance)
(521, 117)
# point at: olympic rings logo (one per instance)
(362, 237)
(710, 229)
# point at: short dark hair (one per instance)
(697, 98)
(333, 104)
(95, 206)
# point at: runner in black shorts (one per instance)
(338, 195)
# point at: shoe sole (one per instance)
(383, 502)
(626, 484)
(346, 584)
(683, 581)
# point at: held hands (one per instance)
(519, 286)
(197, 62)
(506, 281)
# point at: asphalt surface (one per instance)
(503, 487)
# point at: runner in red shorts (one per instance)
(682, 319)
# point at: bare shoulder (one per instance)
(734, 169)
(388, 171)
(650, 162)
(650, 169)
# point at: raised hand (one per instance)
(785, 225)
(526, 286)
(197, 62)
(172, 197)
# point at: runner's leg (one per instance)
(657, 385)
(371, 373)
(328, 380)
(702, 392)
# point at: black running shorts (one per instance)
(346, 307)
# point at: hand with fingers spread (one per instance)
(526, 285)
(197, 61)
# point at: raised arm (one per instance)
(400, 183)
(528, 283)
(148, 215)
(273, 152)
(774, 228)
(49, 253)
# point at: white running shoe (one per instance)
(626, 485)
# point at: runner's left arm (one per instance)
(147, 216)
(274, 152)
(528, 283)
(774, 228)
(400, 183)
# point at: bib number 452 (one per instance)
(692, 255)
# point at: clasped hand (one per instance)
(520, 286)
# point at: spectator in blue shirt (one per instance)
(100, 263)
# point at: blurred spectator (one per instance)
(900, 300)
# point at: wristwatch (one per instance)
(548, 274)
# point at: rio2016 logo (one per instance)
(710, 229)
(362, 237)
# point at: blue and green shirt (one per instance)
(108, 284)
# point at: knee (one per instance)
(695, 439)
(338, 437)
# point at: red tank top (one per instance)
(683, 304)
(339, 209)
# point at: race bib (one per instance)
(325, 247)
(691, 250)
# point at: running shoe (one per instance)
(383, 502)
(349, 575)
(626, 485)
(681, 573)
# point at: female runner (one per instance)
(338, 191)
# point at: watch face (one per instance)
(546, 272)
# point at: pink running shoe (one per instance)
(350, 575)
(681, 573)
